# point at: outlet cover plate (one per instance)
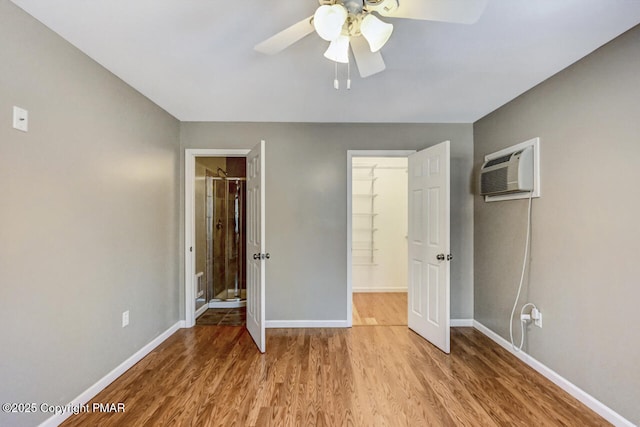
(20, 119)
(538, 322)
(125, 318)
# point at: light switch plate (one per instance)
(20, 119)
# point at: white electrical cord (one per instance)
(524, 266)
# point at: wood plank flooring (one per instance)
(379, 308)
(362, 376)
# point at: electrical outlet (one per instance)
(125, 318)
(538, 322)
(536, 315)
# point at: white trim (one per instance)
(584, 397)
(535, 143)
(367, 290)
(201, 310)
(307, 324)
(227, 304)
(350, 155)
(217, 152)
(103, 382)
(461, 323)
(190, 155)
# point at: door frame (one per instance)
(190, 155)
(350, 155)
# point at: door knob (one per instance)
(440, 257)
(267, 256)
(449, 257)
(256, 256)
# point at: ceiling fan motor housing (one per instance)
(381, 5)
(353, 6)
(358, 9)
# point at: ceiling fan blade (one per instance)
(369, 63)
(457, 11)
(286, 37)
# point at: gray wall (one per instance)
(306, 176)
(584, 272)
(88, 219)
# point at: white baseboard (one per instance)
(271, 324)
(594, 404)
(461, 323)
(356, 290)
(306, 324)
(103, 382)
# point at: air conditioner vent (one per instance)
(499, 160)
(494, 181)
(511, 173)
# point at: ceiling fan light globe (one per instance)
(329, 20)
(375, 31)
(338, 50)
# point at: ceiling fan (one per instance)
(353, 23)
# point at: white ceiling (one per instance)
(195, 58)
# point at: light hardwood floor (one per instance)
(379, 308)
(362, 376)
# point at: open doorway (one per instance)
(255, 251)
(220, 249)
(215, 210)
(377, 237)
(428, 240)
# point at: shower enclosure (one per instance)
(225, 227)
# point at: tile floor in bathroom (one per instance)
(223, 316)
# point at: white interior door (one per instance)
(429, 244)
(256, 256)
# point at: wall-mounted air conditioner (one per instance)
(509, 173)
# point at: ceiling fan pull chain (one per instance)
(348, 75)
(336, 83)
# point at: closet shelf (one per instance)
(364, 200)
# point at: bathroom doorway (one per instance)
(255, 238)
(220, 249)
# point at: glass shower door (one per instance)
(227, 245)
